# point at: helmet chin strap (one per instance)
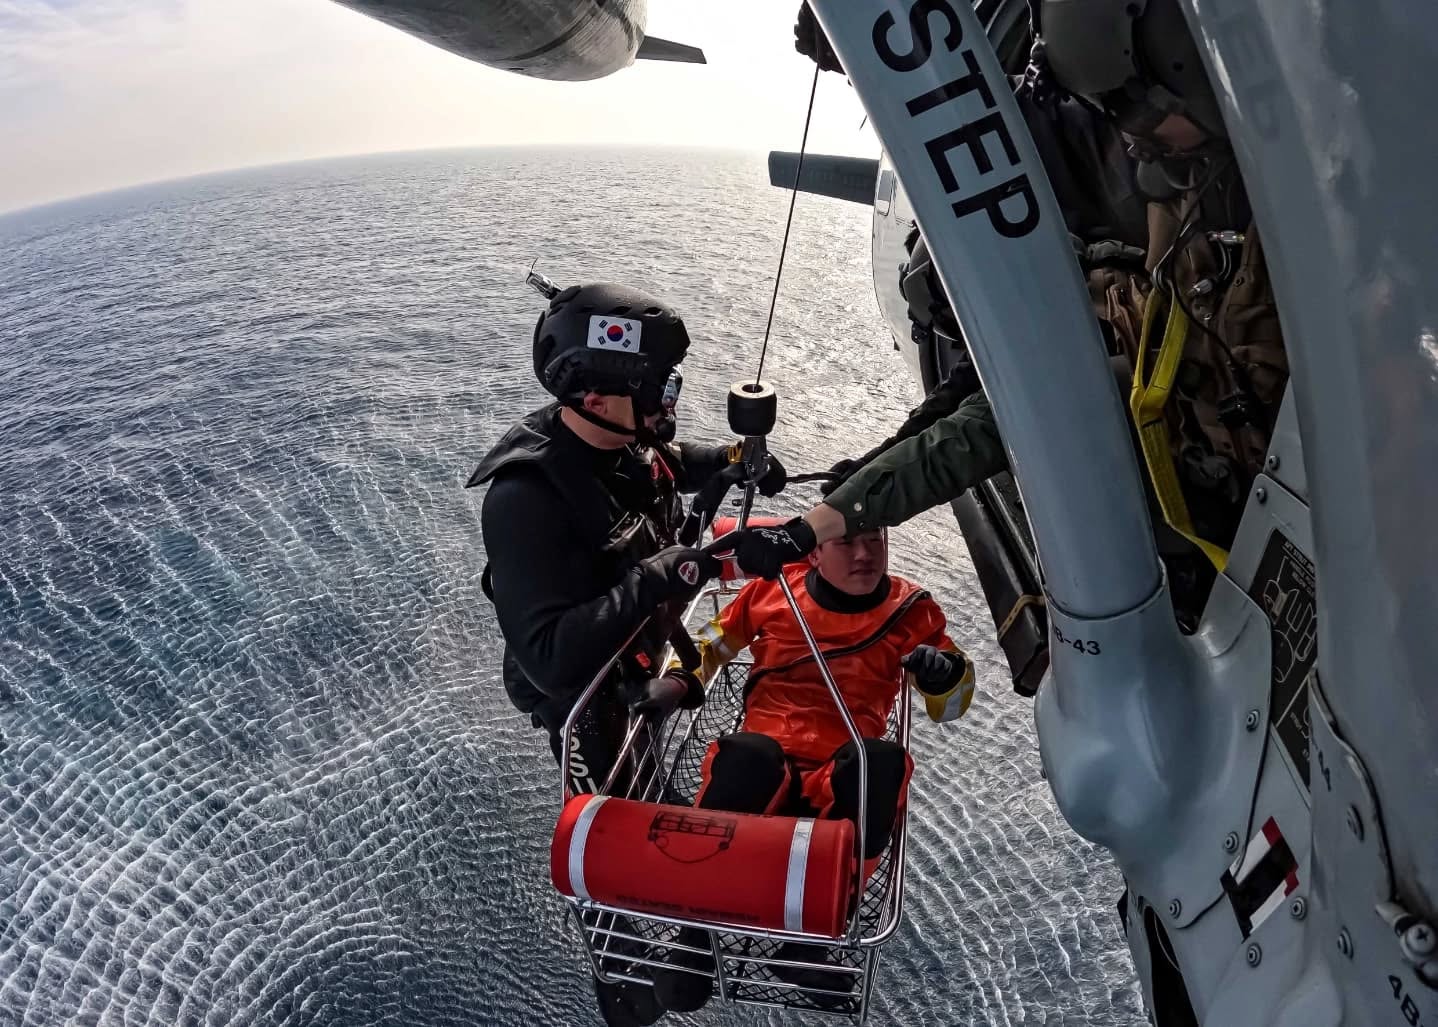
(655, 437)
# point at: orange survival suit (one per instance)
(785, 695)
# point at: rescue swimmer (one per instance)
(581, 525)
(792, 754)
(1130, 133)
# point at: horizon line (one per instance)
(7, 212)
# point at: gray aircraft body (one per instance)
(570, 40)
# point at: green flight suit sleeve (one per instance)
(936, 466)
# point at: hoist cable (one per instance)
(788, 223)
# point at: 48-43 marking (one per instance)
(1087, 646)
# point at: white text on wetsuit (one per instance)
(1011, 194)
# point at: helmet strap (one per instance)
(577, 405)
(640, 433)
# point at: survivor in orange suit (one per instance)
(792, 754)
(876, 630)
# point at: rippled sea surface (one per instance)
(256, 765)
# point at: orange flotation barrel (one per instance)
(776, 873)
(724, 525)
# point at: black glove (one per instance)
(935, 671)
(763, 552)
(1109, 253)
(678, 689)
(707, 500)
(774, 480)
(846, 469)
(684, 571)
(809, 40)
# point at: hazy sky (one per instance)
(96, 94)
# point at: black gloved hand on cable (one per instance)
(774, 479)
(763, 552)
(810, 40)
(846, 469)
(707, 500)
(681, 571)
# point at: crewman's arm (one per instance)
(558, 638)
(947, 396)
(936, 466)
(961, 383)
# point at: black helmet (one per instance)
(608, 339)
(1134, 58)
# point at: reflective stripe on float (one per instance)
(794, 883)
(576, 845)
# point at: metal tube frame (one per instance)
(602, 926)
(605, 932)
(580, 704)
(854, 737)
(756, 460)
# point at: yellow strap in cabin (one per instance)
(1147, 402)
(1022, 604)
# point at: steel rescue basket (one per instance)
(648, 798)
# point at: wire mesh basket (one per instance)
(758, 967)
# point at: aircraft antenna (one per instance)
(784, 246)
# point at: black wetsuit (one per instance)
(566, 528)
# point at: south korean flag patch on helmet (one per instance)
(617, 333)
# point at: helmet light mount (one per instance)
(540, 283)
(673, 386)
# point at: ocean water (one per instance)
(256, 766)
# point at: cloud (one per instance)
(100, 93)
(62, 44)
